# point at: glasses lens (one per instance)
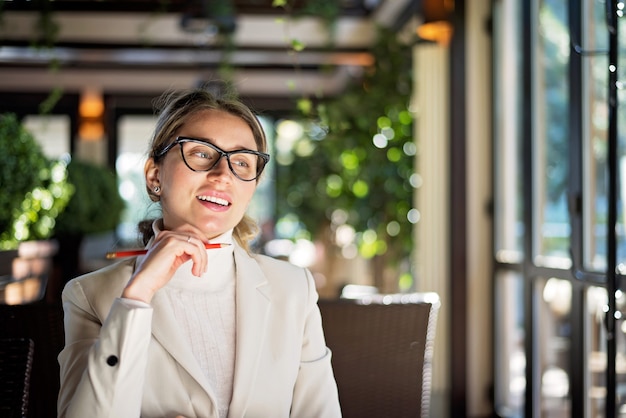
(200, 157)
(245, 165)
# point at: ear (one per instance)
(151, 172)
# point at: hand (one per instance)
(168, 252)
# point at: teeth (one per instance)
(216, 200)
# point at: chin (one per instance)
(211, 233)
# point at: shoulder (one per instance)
(98, 289)
(112, 274)
(287, 281)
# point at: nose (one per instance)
(221, 169)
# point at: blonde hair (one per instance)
(174, 110)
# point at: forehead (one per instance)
(223, 129)
(216, 120)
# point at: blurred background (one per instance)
(472, 149)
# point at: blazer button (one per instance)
(112, 360)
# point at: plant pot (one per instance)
(25, 271)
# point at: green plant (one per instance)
(96, 205)
(35, 190)
(354, 165)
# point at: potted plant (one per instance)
(95, 208)
(352, 169)
(35, 191)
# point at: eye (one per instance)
(242, 160)
(201, 152)
(241, 163)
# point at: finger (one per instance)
(173, 249)
(194, 236)
(200, 262)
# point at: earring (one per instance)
(156, 189)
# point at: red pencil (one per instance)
(132, 253)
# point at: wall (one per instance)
(479, 221)
(433, 100)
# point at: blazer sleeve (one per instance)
(102, 366)
(315, 392)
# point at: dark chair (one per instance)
(43, 324)
(16, 362)
(382, 349)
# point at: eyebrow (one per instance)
(212, 142)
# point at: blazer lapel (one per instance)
(167, 332)
(253, 304)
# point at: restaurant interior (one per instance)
(449, 171)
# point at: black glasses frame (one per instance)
(182, 139)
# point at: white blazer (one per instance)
(121, 361)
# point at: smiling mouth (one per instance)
(216, 200)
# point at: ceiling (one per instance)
(146, 47)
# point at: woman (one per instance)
(195, 332)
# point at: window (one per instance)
(52, 132)
(552, 142)
(134, 133)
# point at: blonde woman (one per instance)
(189, 331)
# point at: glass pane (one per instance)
(595, 125)
(550, 147)
(52, 132)
(262, 207)
(510, 364)
(553, 329)
(621, 150)
(596, 350)
(597, 307)
(134, 133)
(620, 361)
(596, 109)
(509, 230)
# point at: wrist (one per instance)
(135, 291)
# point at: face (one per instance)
(213, 201)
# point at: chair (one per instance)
(382, 349)
(43, 324)
(16, 362)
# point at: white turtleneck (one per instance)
(204, 307)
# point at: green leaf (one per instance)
(305, 106)
(297, 45)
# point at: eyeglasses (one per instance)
(199, 155)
